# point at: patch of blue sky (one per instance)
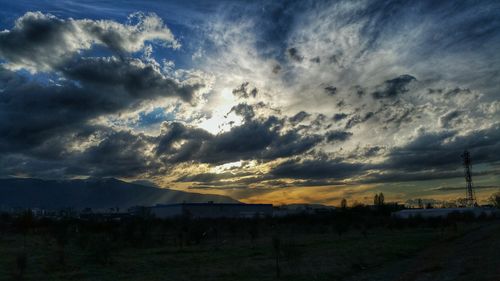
(154, 117)
(43, 78)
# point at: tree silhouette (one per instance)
(495, 199)
(378, 199)
(343, 203)
(381, 199)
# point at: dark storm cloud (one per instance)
(175, 132)
(357, 119)
(315, 60)
(371, 151)
(31, 113)
(276, 69)
(119, 154)
(389, 177)
(241, 179)
(299, 117)
(319, 121)
(131, 76)
(291, 143)
(294, 54)
(204, 177)
(302, 182)
(245, 179)
(424, 175)
(396, 116)
(446, 119)
(19, 164)
(359, 91)
(434, 155)
(338, 136)
(429, 156)
(339, 116)
(449, 93)
(470, 26)
(243, 91)
(453, 188)
(394, 87)
(38, 39)
(442, 150)
(457, 91)
(262, 139)
(245, 141)
(428, 150)
(364, 153)
(331, 90)
(316, 169)
(244, 110)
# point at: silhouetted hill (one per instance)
(92, 193)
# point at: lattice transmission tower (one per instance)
(470, 196)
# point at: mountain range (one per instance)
(93, 193)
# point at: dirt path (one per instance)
(472, 256)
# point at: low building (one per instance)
(441, 212)
(212, 210)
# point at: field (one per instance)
(303, 248)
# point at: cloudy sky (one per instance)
(264, 101)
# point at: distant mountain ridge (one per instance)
(92, 193)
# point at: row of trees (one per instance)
(378, 200)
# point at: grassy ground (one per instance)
(302, 256)
(473, 254)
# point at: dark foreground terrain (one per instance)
(346, 245)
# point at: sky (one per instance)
(264, 101)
